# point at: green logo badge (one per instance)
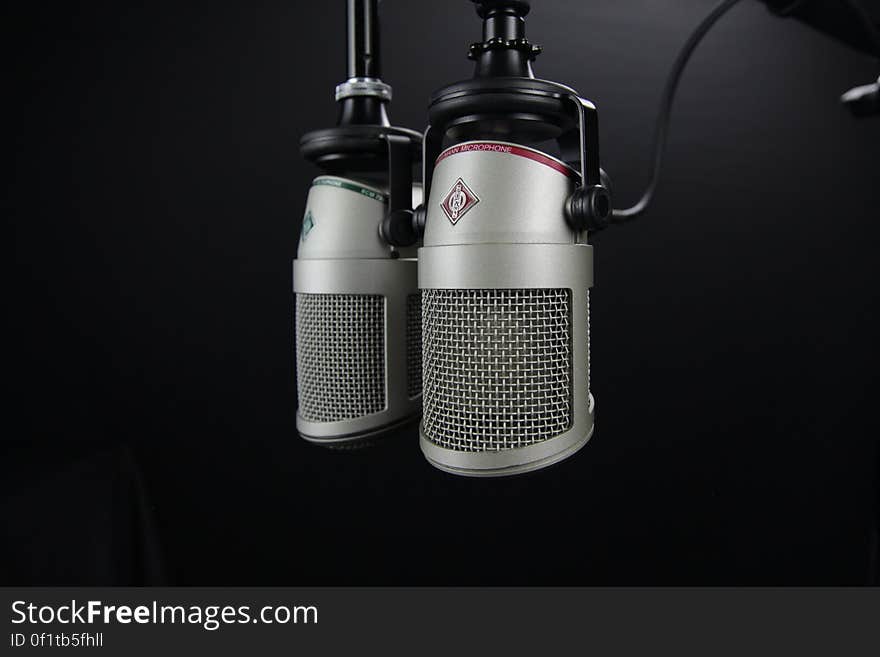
(308, 224)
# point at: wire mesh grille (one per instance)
(413, 345)
(340, 355)
(496, 367)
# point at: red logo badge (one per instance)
(458, 201)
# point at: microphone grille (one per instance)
(340, 355)
(497, 367)
(413, 345)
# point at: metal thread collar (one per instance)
(521, 44)
(363, 87)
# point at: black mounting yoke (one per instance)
(504, 100)
(363, 140)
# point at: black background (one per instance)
(154, 209)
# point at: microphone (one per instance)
(513, 188)
(358, 316)
(505, 267)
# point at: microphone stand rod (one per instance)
(364, 58)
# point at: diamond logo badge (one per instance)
(458, 201)
(307, 224)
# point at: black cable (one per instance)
(662, 125)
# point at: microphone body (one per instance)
(505, 313)
(358, 330)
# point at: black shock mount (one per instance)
(504, 100)
(363, 140)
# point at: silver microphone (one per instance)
(358, 317)
(505, 301)
(358, 324)
(505, 268)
